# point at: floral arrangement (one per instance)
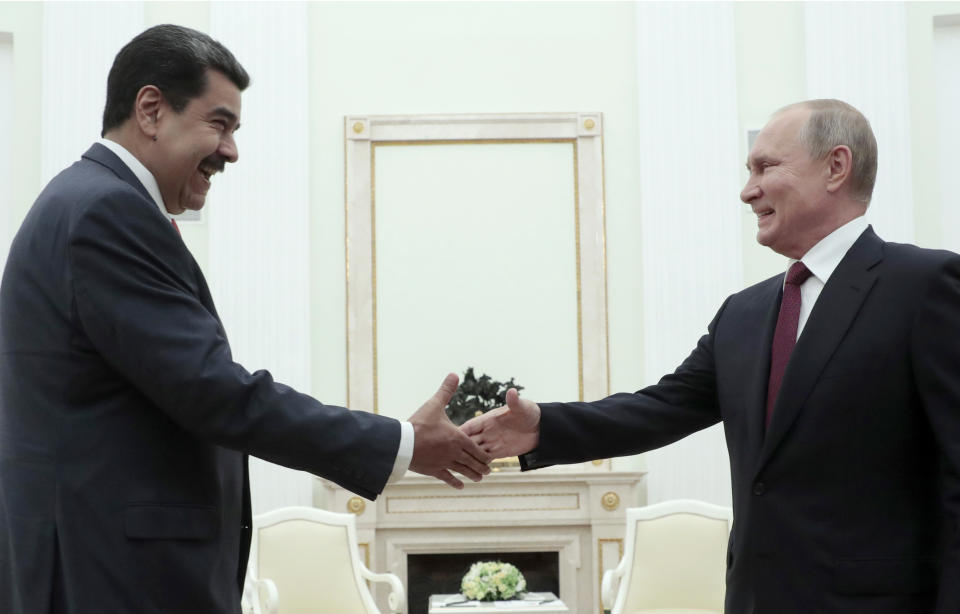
(492, 580)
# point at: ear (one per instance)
(839, 166)
(147, 107)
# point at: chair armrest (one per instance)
(397, 595)
(260, 596)
(611, 583)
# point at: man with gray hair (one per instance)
(838, 385)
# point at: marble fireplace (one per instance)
(572, 517)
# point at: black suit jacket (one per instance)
(849, 502)
(125, 423)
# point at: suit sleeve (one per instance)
(935, 349)
(630, 423)
(135, 302)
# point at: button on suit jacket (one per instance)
(848, 503)
(125, 423)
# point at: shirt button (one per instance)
(759, 488)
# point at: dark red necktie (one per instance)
(785, 335)
(174, 222)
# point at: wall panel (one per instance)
(80, 40)
(857, 52)
(691, 229)
(258, 216)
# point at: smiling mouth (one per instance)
(763, 213)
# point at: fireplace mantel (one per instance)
(578, 514)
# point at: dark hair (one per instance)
(174, 59)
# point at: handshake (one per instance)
(440, 447)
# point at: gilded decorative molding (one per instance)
(366, 554)
(356, 505)
(610, 501)
(600, 543)
(576, 234)
(485, 497)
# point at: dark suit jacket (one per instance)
(849, 502)
(124, 422)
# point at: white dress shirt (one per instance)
(822, 260)
(405, 452)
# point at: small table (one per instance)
(532, 603)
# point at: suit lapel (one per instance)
(829, 321)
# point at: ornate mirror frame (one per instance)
(364, 133)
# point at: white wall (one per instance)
(679, 85)
(690, 231)
(947, 48)
(6, 142)
(871, 39)
(80, 41)
(259, 216)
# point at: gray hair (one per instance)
(832, 123)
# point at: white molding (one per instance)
(567, 547)
(362, 133)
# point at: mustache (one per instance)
(215, 162)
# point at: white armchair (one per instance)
(674, 561)
(304, 560)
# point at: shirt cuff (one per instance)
(404, 452)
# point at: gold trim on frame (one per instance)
(600, 542)
(373, 246)
(373, 272)
(487, 496)
(576, 232)
(346, 257)
(366, 557)
(603, 250)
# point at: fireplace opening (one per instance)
(431, 574)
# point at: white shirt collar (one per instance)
(138, 169)
(826, 255)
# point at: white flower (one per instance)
(489, 580)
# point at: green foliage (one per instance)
(477, 396)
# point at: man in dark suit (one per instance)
(845, 447)
(124, 423)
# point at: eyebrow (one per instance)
(759, 158)
(230, 115)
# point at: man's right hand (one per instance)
(510, 430)
(439, 446)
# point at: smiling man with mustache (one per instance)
(125, 424)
